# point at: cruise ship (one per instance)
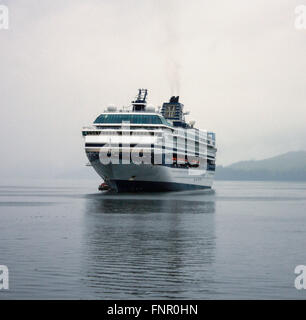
(140, 148)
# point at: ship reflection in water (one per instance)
(60, 240)
(150, 245)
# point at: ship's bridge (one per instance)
(133, 118)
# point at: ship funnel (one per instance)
(173, 110)
(174, 99)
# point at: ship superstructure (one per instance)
(141, 149)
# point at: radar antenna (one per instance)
(139, 104)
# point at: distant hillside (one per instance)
(290, 166)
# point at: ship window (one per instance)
(132, 118)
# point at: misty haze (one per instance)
(239, 69)
(226, 223)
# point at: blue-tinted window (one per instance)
(132, 118)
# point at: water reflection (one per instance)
(149, 245)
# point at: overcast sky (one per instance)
(239, 67)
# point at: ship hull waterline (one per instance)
(152, 178)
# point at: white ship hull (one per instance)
(148, 177)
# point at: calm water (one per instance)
(62, 239)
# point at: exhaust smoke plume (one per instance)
(173, 75)
(168, 13)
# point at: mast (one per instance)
(139, 104)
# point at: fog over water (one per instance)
(239, 68)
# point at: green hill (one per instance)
(290, 166)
